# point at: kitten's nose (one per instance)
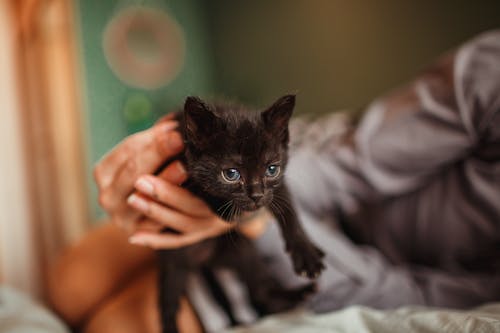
(257, 197)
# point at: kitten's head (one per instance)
(235, 154)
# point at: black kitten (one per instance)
(236, 159)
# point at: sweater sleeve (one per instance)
(408, 136)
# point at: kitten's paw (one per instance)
(306, 259)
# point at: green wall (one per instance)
(106, 96)
(335, 53)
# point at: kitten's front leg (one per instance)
(171, 285)
(306, 257)
(266, 292)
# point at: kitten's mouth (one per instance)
(251, 207)
(241, 215)
(238, 212)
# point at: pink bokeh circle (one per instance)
(144, 47)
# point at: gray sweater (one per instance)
(407, 204)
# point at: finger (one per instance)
(174, 173)
(165, 145)
(166, 240)
(125, 218)
(165, 118)
(153, 146)
(173, 196)
(113, 196)
(162, 214)
(123, 184)
(148, 225)
(107, 167)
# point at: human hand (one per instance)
(139, 154)
(167, 205)
(161, 203)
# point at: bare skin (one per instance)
(106, 283)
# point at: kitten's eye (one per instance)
(273, 171)
(231, 175)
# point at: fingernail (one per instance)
(138, 203)
(175, 141)
(137, 240)
(169, 125)
(145, 186)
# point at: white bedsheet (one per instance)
(356, 319)
(19, 314)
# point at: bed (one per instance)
(358, 319)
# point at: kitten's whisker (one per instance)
(224, 205)
(283, 200)
(276, 207)
(238, 213)
(227, 213)
(228, 205)
(276, 211)
(284, 205)
(231, 215)
(238, 210)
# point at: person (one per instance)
(406, 206)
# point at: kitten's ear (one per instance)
(199, 120)
(277, 116)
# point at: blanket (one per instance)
(359, 319)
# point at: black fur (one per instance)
(224, 136)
